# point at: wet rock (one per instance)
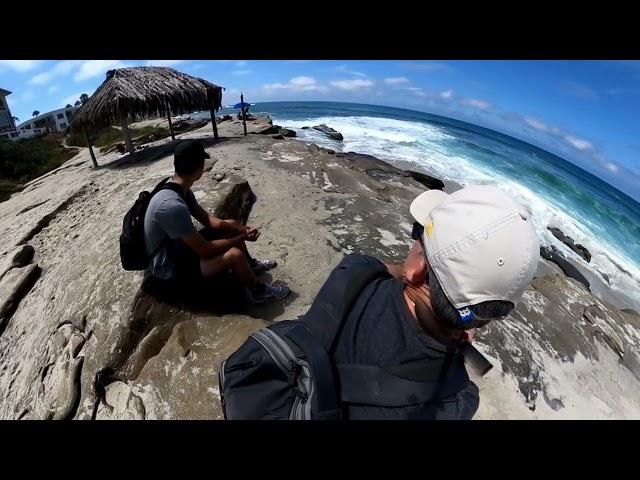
(428, 181)
(329, 131)
(568, 241)
(285, 132)
(277, 137)
(552, 254)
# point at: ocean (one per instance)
(558, 193)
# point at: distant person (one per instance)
(185, 254)
(394, 336)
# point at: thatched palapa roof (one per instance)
(145, 92)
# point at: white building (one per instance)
(55, 121)
(7, 125)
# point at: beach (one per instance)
(566, 352)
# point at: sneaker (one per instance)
(263, 293)
(260, 266)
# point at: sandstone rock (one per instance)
(277, 137)
(19, 257)
(15, 284)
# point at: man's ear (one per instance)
(415, 266)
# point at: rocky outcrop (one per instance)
(329, 131)
(568, 241)
(552, 254)
(428, 181)
(285, 132)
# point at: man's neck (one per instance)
(183, 182)
(419, 302)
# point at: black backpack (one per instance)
(284, 371)
(133, 253)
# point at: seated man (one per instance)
(183, 253)
(474, 253)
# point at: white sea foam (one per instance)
(426, 145)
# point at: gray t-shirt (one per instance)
(167, 216)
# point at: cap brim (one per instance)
(424, 203)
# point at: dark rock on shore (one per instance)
(428, 181)
(285, 132)
(568, 241)
(329, 131)
(552, 254)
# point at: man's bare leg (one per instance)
(233, 259)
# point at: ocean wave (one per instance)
(552, 199)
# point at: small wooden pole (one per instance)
(93, 156)
(244, 117)
(173, 137)
(213, 115)
(127, 134)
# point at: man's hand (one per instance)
(468, 335)
(252, 233)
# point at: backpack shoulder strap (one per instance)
(411, 383)
(338, 295)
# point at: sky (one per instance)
(584, 111)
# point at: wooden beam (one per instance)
(127, 134)
(93, 156)
(173, 137)
(244, 116)
(212, 111)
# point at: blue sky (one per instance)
(585, 111)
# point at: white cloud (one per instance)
(241, 72)
(94, 68)
(241, 63)
(297, 84)
(354, 84)
(578, 143)
(446, 94)
(72, 99)
(396, 80)
(611, 167)
(425, 66)
(52, 89)
(19, 65)
(475, 103)
(163, 63)
(346, 69)
(61, 68)
(579, 90)
(537, 124)
(197, 66)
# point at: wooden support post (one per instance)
(127, 134)
(213, 114)
(244, 116)
(173, 137)
(93, 156)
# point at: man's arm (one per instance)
(207, 220)
(206, 249)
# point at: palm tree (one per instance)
(35, 113)
(83, 98)
(68, 105)
(15, 119)
(77, 104)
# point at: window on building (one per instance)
(2, 107)
(63, 126)
(14, 135)
(60, 116)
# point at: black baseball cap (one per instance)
(189, 150)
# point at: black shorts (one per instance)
(188, 261)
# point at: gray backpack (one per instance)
(285, 371)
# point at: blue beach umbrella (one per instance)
(242, 105)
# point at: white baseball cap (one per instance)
(480, 243)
